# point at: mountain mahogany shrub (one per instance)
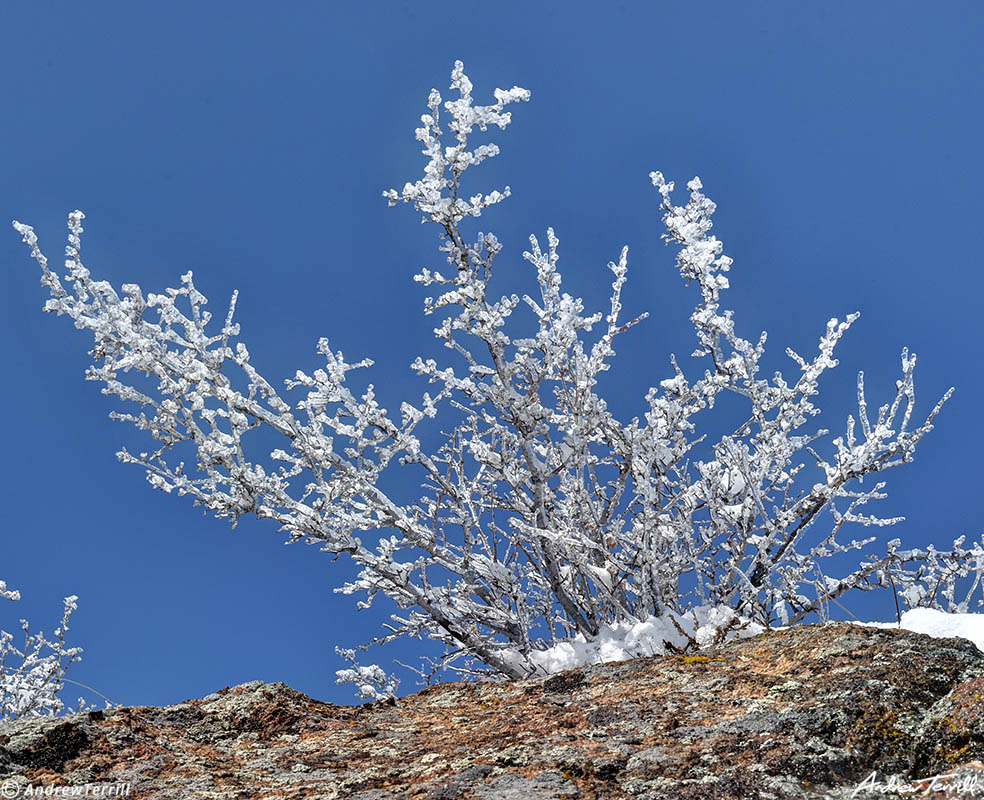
(543, 520)
(32, 677)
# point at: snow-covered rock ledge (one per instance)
(705, 626)
(939, 624)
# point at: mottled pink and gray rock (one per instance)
(808, 712)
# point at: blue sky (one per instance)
(250, 142)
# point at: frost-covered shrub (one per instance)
(545, 524)
(31, 677)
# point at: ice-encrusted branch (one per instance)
(543, 520)
(32, 676)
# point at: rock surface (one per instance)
(809, 712)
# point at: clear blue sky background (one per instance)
(250, 142)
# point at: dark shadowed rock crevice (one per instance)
(807, 712)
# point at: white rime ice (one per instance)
(32, 676)
(546, 530)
